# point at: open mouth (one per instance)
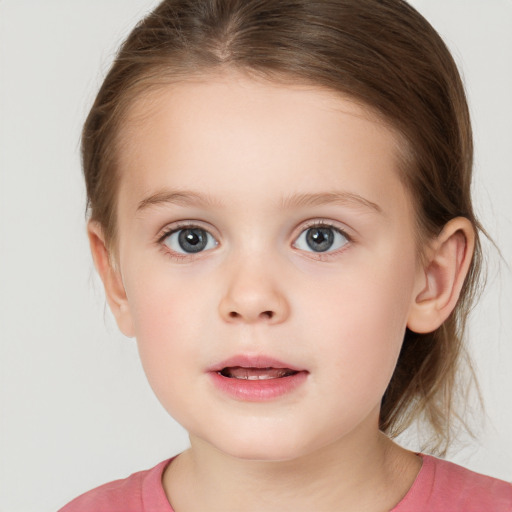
(250, 373)
(256, 378)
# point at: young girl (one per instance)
(280, 212)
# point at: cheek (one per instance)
(363, 319)
(162, 301)
(165, 318)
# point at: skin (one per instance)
(256, 164)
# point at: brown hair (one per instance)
(384, 54)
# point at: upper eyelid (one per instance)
(169, 229)
(323, 223)
(303, 226)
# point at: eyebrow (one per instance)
(181, 197)
(190, 198)
(342, 197)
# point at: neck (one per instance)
(346, 475)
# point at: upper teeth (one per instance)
(257, 377)
(256, 373)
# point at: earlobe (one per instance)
(111, 277)
(441, 278)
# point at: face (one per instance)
(267, 253)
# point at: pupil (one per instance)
(320, 239)
(192, 240)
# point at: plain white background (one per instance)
(75, 408)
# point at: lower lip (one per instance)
(258, 390)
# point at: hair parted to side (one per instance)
(382, 53)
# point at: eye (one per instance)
(321, 238)
(189, 240)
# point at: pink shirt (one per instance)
(440, 486)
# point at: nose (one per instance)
(253, 295)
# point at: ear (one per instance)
(111, 277)
(442, 276)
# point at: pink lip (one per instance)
(248, 361)
(256, 390)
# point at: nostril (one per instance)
(264, 314)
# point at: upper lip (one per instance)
(253, 361)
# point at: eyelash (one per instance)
(174, 229)
(309, 225)
(323, 256)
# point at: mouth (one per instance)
(257, 378)
(252, 373)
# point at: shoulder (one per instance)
(447, 487)
(469, 489)
(140, 492)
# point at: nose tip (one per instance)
(253, 300)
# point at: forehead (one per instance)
(236, 135)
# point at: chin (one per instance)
(259, 448)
